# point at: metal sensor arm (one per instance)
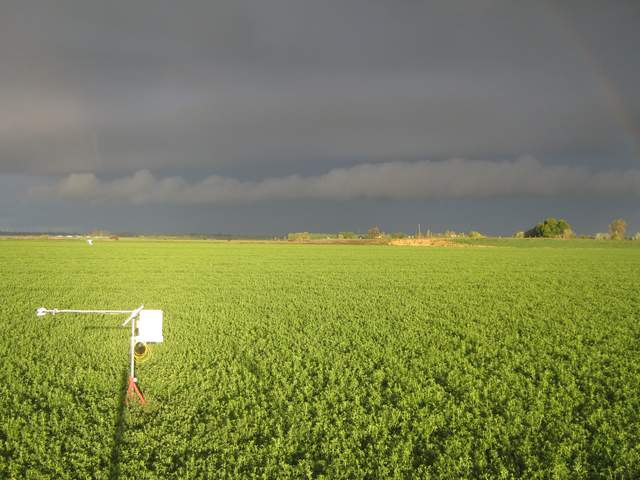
(42, 311)
(133, 315)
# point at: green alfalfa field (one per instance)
(503, 359)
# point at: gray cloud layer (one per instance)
(453, 178)
(119, 86)
(255, 90)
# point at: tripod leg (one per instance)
(133, 391)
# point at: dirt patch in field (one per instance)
(425, 242)
(433, 242)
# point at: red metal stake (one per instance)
(133, 389)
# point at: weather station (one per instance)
(146, 328)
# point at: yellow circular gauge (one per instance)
(140, 351)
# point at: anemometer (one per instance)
(146, 327)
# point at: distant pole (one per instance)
(418, 230)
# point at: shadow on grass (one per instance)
(114, 470)
(96, 327)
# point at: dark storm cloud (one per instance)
(118, 87)
(243, 104)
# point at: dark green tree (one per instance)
(550, 228)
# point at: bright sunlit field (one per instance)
(509, 360)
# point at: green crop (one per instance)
(294, 361)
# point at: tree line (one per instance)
(559, 228)
(550, 227)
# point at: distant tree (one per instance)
(550, 228)
(298, 236)
(568, 233)
(475, 234)
(398, 235)
(617, 229)
(602, 236)
(346, 235)
(374, 232)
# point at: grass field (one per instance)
(520, 360)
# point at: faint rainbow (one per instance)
(614, 101)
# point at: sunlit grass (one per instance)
(309, 360)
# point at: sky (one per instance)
(269, 116)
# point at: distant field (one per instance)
(551, 243)
(285, 360)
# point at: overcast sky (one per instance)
(270, 116)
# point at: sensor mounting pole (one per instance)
(133, 389)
